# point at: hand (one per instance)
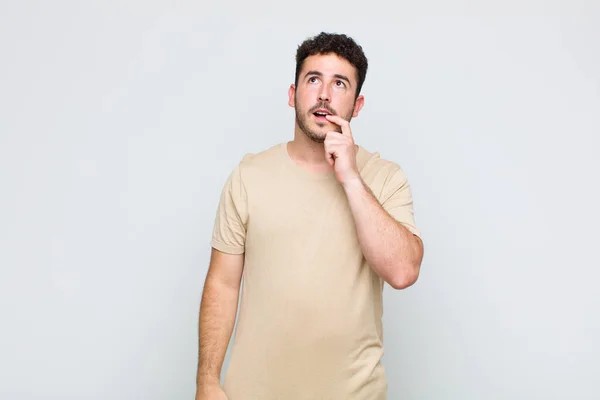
(340, 151)
(210, 392)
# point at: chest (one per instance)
(285, 211)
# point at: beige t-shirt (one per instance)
(310, 318)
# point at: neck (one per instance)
(306, 152)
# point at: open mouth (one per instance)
(321, 114)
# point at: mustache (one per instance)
(322, 106)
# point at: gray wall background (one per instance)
(119, 123)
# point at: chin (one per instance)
(316, 132)
(316, 137)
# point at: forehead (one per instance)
(328, 65)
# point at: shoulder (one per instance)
(376, 169)
(263, 158)
(259, 164)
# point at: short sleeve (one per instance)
(229, 231)
(397, 200)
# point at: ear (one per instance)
(291, 95)
(358, 105)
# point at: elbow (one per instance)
(404, 277)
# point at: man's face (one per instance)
(326, 84)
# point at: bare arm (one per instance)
(217, 315)
(391, 249)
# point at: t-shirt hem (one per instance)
(227, 248)
(412, 229)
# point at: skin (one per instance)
(391, 250)
(217, 319)
(329, 81)
(320, 86)
(319, 146)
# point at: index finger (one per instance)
(345, 125)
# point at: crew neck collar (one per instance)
(361, 157)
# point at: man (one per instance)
(315, 226)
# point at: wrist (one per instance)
(353, 184)
(208, 381)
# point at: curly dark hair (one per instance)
(339, 44)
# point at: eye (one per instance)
(340, 84)
(312, 79)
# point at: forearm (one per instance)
(217, 319)
(391, 250)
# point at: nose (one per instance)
(324, 94)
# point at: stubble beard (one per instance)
(303, 121)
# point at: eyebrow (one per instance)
(317, 73)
